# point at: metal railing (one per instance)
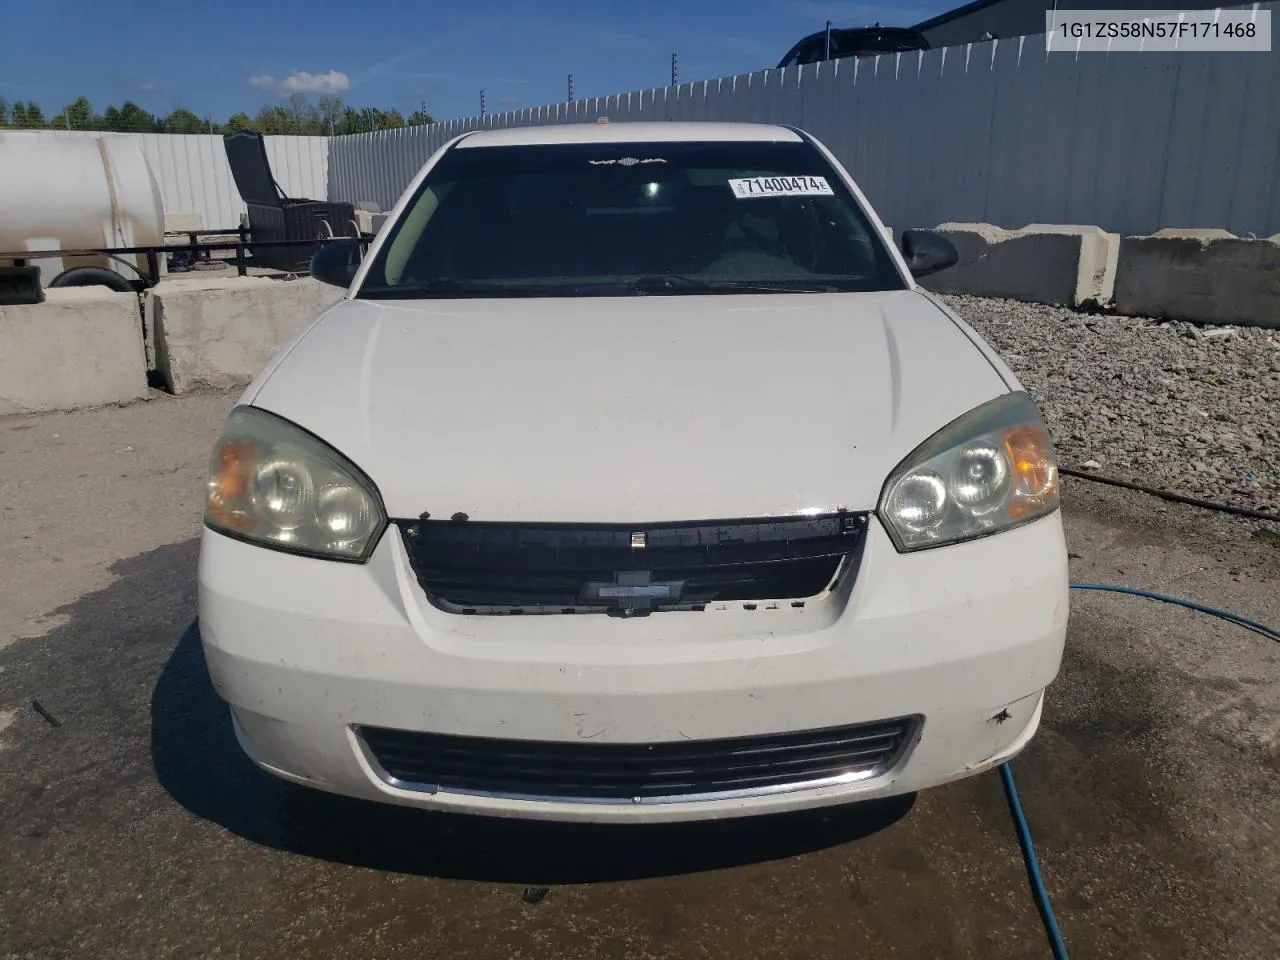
(243, 247)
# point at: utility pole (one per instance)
(571, 88)
(673, 69)
(482, 103)
(828, 56)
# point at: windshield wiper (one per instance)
(658, 283)
(454, 287)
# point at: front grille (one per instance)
(638, 772)
(476, 567)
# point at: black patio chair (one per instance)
(274, 216)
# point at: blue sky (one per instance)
(216, 57)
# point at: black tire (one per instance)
(92, 277)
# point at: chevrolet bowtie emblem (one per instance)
(638, 541)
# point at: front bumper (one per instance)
(308, 651)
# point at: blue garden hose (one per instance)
(1201, 608)
(1038, 890)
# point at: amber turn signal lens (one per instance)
(228, 491)
(1035, 469)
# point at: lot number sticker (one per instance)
(781, 187)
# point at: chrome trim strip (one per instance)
(915, 726)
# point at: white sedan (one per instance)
(633, 479)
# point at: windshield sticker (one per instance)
(781, 187)
(625, 162)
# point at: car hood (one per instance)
(630, 409)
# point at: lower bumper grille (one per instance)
(641, 772)
(512, 568)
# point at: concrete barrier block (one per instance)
(371, 221)
(1202, 276)
(1065, 264)
(82, 347)
(179, 221)
(219, 332)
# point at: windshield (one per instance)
(630, 219)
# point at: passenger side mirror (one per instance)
(927, 252)
(337, 261)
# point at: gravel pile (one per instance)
(1194, 410)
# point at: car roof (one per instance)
(872, 30)
(864, 33)
(623, 132)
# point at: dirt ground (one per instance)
(132, 827)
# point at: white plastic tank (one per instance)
(68, 191)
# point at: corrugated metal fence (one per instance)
(996, 132)
(194, 176)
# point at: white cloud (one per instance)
(300, 81)
(335, 81)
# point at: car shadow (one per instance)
(199, 763)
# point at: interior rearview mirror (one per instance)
(337, 261)
(927, 252)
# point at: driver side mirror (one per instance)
(927, 252)
(337, 261)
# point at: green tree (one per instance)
(77, 115)
(129, 118)
(328, 116)
(274, 120)
(389, 119)
(26, 114)
(133, 117)
(352, 121)
(183, 121)
(239, 121)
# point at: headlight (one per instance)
(273, 483)
(992, 469)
